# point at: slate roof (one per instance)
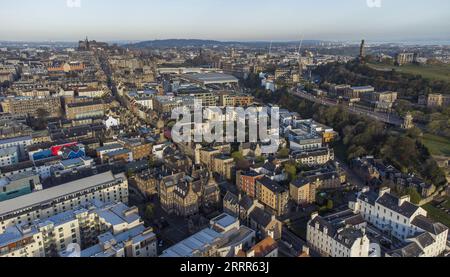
(369, 197)
(250, 173)
(355, 220)
(341, 227)
(322, 225)
(230, 198)
(270, 167)
(349, 236)
(261, 217)
(389, 201)
(409, 251)
(271, 185)
(300, 182)
(429, 225)
(424, 240)
(246, 202)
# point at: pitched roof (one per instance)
(246, 202)
(264, 247)
(231, 198)
(322, 224)
(349, 236)
(389, 201)
(424, 240)
(301, 182)
(429, 225)
(261, 217)
(409, 251)
(271, 185)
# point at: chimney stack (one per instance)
(403, 199)
(383, 191)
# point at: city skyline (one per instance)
(347, 20)
(224, 129)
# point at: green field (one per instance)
(437, 215)
(437, 145)
(433, 72)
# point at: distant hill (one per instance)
(170, 43)
(174, 43)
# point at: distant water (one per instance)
(432, 42)
(418, 42)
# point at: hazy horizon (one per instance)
(232, 20)
(411, 42)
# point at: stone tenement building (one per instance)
(30, 106)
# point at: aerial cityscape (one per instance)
(195, 129)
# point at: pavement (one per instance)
(352, 177)
(176, 231)
(177, 228)
(292, 240)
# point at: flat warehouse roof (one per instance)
(196, 242)
(211, 78)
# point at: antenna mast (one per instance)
(300, 46)
(270, 48)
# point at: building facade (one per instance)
(272, 195)
(46, 203)
(30, 106)
(303, 192)
(332, 238)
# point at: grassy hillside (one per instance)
(437, 145)
(433, 72)
(437, 214)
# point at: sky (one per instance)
(226, 20)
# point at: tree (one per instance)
(130, 173)
(291, 171)
(40, 121)
(283, 153)
(42, 114)
(152, 162)
(241, 162)
(237, 156)
(363, 136)
(414, 133)
(403, 106)
(356, 152)
(415, 196)
(260, 159)
(252, 81)
(330, 204)
(149, 211)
